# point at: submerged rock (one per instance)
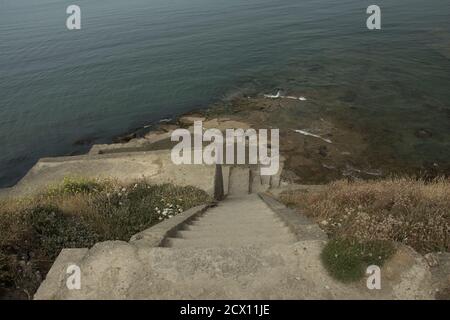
(323, 151)
(84, 141)
(189, 120)
(349, 96)
(125, 138)
(423, 133)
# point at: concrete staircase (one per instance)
(248, 246)
(240, 220)
(236, 221)
(239, 248)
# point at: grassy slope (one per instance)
(76, 214)
(364, 218)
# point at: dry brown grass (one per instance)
(406, 210)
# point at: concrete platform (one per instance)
(154, 166)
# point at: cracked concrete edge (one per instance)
(301, 226)
(57, 275)
(104, 156)
(156, 235)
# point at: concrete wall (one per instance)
(154, 166)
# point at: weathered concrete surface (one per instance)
(238, 221)
(237, 250)
(226, 179)
(155, 236)
(119, 270)
(440, 273)
(155, 166)
(244, 248)
(57, 276)
(407, 275)
(302, 227)
(257, 183)
(239, 181)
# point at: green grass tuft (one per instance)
(77, 185)
(347, 260)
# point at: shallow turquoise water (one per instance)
(137, 61)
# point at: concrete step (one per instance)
(245, 203)
(238, 217)
(233, 224)
(258, 227)
(207, 234)
(235, 212)
(303, 227)
(241, 221)
(257, 181)
(259, 223)
(251, 224)
(239, 181)
(225, 242)
(246, 225)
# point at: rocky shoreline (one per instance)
(319, 146)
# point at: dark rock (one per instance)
(84, 141)
(125, 138)
(423, 133)
(349, 96)
(323, 151)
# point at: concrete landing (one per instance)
(120, 270)
(155, 166)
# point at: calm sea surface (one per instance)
(137, 61)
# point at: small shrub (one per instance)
(347, 260)
(53, 230)
(125, 211)
(72, 186)
(6, 274)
